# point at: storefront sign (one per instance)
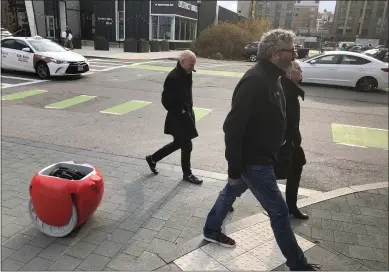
(187, 6)
(163, 4)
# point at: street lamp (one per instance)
(198, 16)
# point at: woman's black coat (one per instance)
(291, 153)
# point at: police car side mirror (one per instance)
(26, 49)
(312, 61)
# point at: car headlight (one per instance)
(59, 61)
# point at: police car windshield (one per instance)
(46, 46)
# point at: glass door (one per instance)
(50, 24)
(120, 20)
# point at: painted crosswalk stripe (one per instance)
(360, 136)
(200, 113)
(126, 107)
(20, 95)
(70, 102)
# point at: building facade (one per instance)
(363, 19)
(305, 16)
(117, 20)
(324, 19)
(278, 13)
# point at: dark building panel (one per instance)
(86, 11)
(104, 12)
(228, 15)
(207, 14)
(137, 19)
(49, 7)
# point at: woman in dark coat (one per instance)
(292, 157)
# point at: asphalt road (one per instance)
(140, 131)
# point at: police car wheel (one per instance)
(42, 70)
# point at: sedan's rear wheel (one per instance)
(366, 84)
(42, 70)
(253, 58)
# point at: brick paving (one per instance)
(345, 233)
(146, 222)
(141, 217)
(351, 231)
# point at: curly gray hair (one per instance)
(274, 41)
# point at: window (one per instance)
(8, 43)
(331, 59)
(120, 35)
(177, 27)
(154, 29)
(19, 45)
(352, 60)
(164, 28)
(50, 26)
(46, 46)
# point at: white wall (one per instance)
(31, 18)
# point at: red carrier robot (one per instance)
(63, 196)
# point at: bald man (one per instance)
(180, 120)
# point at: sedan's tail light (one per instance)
(385, 69)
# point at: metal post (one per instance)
(57, 24)
(198, 17)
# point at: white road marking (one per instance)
(94, 65)
(364, 127)
(352, 145)
(5, 85)
(24, 83)
(110, 61)
(18, 78)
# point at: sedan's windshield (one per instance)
(46, 46)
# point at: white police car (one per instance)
(42, 56)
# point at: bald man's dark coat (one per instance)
(178, 101)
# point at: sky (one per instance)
(329, 5)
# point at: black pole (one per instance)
(57, 26)
(198, 17)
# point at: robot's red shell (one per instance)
(52, 197)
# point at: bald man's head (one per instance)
(188, 61)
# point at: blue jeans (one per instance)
(260, 179)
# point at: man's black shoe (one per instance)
(307, 267)
(231, 209)
(151, 164)
(220, 239)
(296, 213)
(193, 179)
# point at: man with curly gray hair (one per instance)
(254, 132)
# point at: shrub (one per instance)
(226, 40)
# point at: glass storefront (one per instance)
(173, 28)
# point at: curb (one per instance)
(198, 241)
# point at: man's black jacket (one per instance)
(254, 128)
(177, 100)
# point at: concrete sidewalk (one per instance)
(118, 53)
(347, 231)
(148, 222)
